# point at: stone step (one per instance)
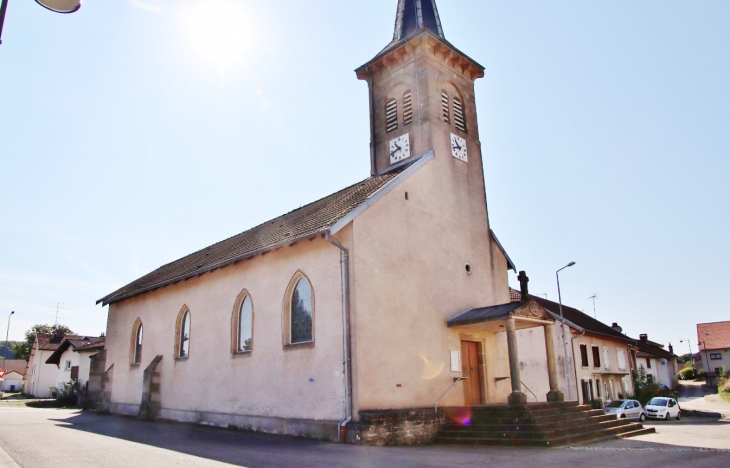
(534, 432)
(626, 430)
(517, 412)
(529, 426)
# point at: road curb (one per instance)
(6, 461)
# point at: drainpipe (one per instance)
(341, 426)
(575, 368)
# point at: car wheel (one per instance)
(679, 415)
(642, 418)
(666, 416)
(623, 416)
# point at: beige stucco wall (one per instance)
(620, 377)
(402, 298)
(304, 381)
(63, 375)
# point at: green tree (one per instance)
(22, 348)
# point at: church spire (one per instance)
(415, 15)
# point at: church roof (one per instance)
(414, 16)
(301, 224)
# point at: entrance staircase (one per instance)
(535, 424)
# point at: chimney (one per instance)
(523, 286)
(671, 348)
(617, 328)
(644, 337)
(59, 333)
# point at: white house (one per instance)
(72, 358)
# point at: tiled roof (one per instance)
(647, 347)
(304, 223)
(582, 320)
(78, 343)
(713, 335)
(17, 365)
(49, 342)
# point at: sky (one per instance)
(135, 132)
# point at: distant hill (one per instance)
(7, 353)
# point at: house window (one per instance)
(182, 334)
(596, 357)
(649, 379)
(391, 115)
(621, 357)
(300, 311)
(445, 107)
(459, 119)
(584, 355)
(648, 363)
(407, 108)
(606, 361)
(245, 325)
(715, 356)
(137, 342)
(68, 365)
(598, 388)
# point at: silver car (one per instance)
(629, 409)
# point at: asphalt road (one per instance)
(47, 438)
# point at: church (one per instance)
(390, 295)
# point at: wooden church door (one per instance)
(470, 368)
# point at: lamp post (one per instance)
(689, 343)
(565, 341)
(58, 6)
(7, 333)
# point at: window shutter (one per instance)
(445, 107)
(391, 115)
(407, 108)
(459, 120)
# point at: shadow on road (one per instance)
(255, 450)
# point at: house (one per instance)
(714, 343)
(39, 376)
(73, 359)
(389, 295)
(660, 364)
(599, 356)
(12, 374)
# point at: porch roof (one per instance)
(529, 311)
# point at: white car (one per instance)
(663, 408)
(629, 409)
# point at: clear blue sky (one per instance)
(137, 131)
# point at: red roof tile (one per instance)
(713, 335)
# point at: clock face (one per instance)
(400, 148)
(458, 147)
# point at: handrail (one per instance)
(528, 389)
(436, 403)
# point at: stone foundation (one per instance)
(418, 426)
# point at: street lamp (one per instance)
(689, 343)
(565, 341)
(7, 333)
(58, 6)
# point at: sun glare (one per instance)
(219, 31)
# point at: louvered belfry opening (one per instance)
(407, 108)
(459, 119)
(391, 115)
(445, 107)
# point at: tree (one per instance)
(22, 348)
(7, 351)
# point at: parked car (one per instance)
(629, 409)
(663, 408)
(663, 388)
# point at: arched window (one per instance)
(299, 311)
(182, 334)
(407, 107)
(135, 357)
(242, 324)
(391, 115)
(459, 119)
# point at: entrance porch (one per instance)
(480, 332)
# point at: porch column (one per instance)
(554, 394)
(516, 397)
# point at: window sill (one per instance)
(182, 358)
(304, 345)
(134, 365)
(242, 353)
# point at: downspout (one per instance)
(342, 425)
(371, 85)
(575, 368)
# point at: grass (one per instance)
(725, 396)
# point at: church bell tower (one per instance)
(421, 94)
